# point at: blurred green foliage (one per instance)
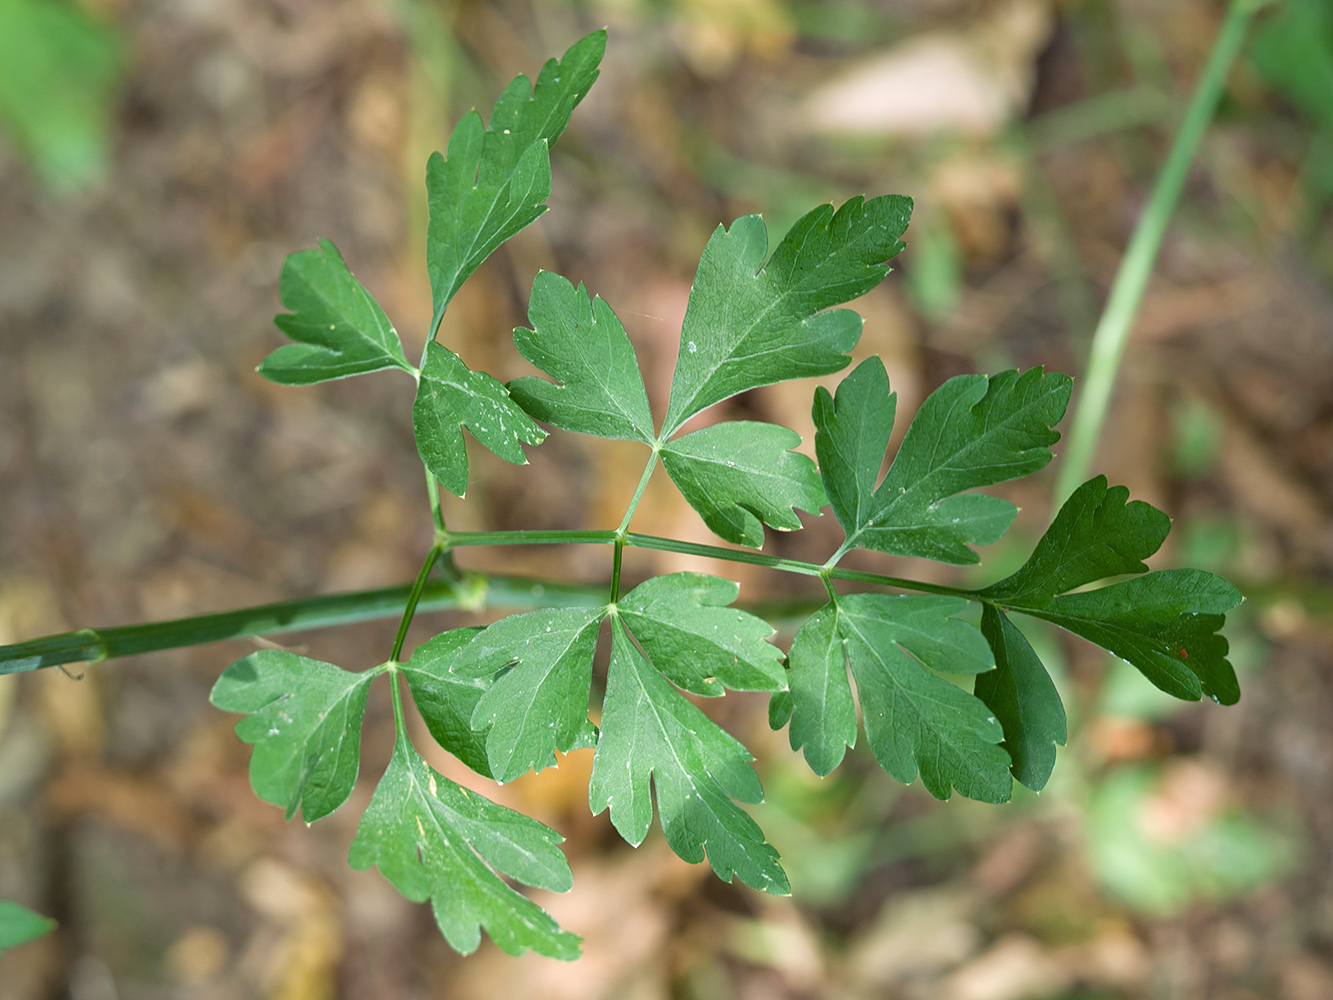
(1294, 52)
(59, 74)
(1153, 844)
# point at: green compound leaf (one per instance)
(496, 179)
(820, 706)
(452, 396)
(915, 720)
(851, 435)
(684, 625)
(583, 344)
(19, 925)
(972, 431)
(650, 731)
(1021, 694)
(435, 840)
(1096, 534)
(751, 323)
(445, 700)
(304, 719)
(537, 701)
(740, 473)
(341, 329)
(1164, 623)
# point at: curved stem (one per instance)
(1122, 305)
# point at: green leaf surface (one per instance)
(450, 397)
(436, 840)
(19, 925)
(650, 731)
(1164, 623)
(972, 431)
(739, 473)
(851, 435)
(822, 714)
(682, 622)
(304, 718)
(914, 719)
(495, 179)
(751, 323)
(583, 344)
(445, 700)
(341, 330)
(1096, 534)
(1021, 694)
(537, 702)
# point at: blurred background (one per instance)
(159, 159)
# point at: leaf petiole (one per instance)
(638, 492)
(413, 597)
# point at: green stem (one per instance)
(399, 721)
(471, 593)
(659, 544)
(433, 491)
(638, 493)
(413, 598)
(1122, 305)
(458, 539)
(828, 586)
(615, 570)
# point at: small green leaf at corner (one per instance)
(583, 344)
(435, 840)
(452, 396)
(1023, 697)
(751, 322)
(19, 925)
(496, 179)
(683, 622)
(340, 329)
(653, 738)
(304, 718)
(740, 473)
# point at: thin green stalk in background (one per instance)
(1122, 305)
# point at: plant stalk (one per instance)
(413, 598)
(471, 593)
(1122, 305)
